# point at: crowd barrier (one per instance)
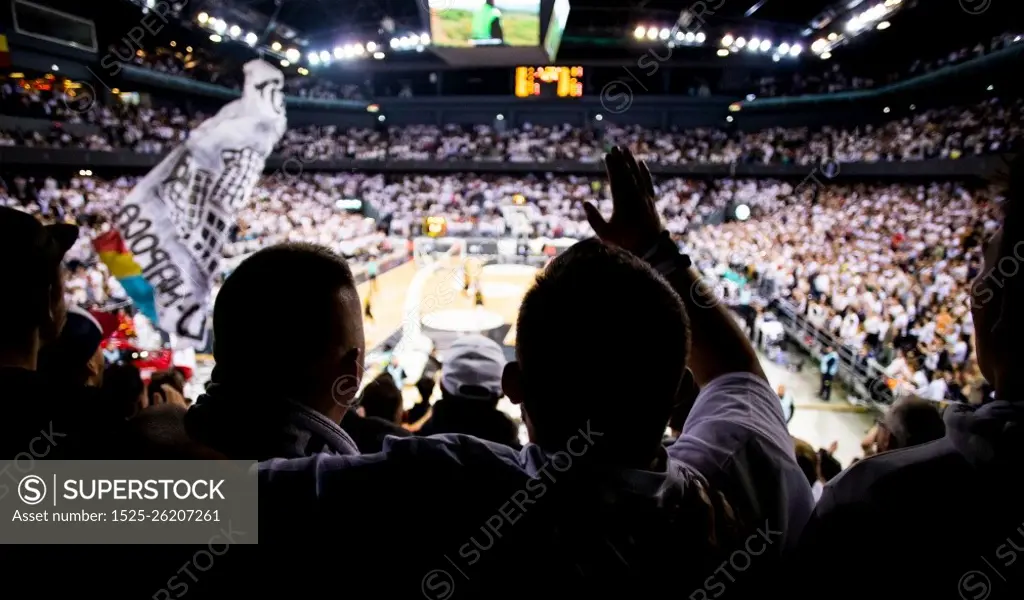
(967, 167)
(864, 378)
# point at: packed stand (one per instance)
(885, 270)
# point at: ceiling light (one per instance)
(727, 40)
(664, 34)
(740, 42)
(215, 38)
(313, 58)
(639, 32)
(784, 48)
(796, 50)
(701, 37)
(292, 55)
(723, 52)
(826, 55)
(285, 63)
(235, 31)
(251, 38)
(883, 26)
(691, 37)
(276, 46)
(202, 17)
(371, 46)
(766, 45)
(652, 33)
(424, 38)
(325, 56)
(378, 55)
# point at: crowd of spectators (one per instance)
(950, 133)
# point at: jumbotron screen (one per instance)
(484, 23)
(549, 82)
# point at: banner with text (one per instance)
(178, 218)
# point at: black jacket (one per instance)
(472, 417)
(947, 517)
(369, 432)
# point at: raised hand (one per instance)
(635, 224)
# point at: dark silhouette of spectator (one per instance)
(300, 301)
(381, 401)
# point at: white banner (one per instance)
(177, 218)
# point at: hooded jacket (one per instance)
(948, 515)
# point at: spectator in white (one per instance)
(471, 371)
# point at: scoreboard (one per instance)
(549, 82)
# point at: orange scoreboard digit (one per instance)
(560, 82)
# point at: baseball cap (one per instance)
(30, 243)
(472, 368)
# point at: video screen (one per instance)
(553, 39)
(474, 23)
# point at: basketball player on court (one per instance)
(478, 296)
(371, 271)
(367, 308)
(467, 281)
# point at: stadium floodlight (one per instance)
(276, 46)
(680, 36)
(215, 38)
(766, 45)
(727, 40)
(819, 45)
(285, 63)
(358, 49)
(753, 44)
(723, 52)
(826, 55)
(795, 50)
(652, 33)
(339, 52)
(833, 36)
(394, 43)
(775, 58)
(740, 42)
(219, 25)
(425, 38)
(701, 37)
(202, 17)
(691, 37)
(639, 32)
(313, 58)
(883, 25)
(742, 212)
(293, 55)
(783, 48)
(378, 55)
(251, 38)
(325, 56)
(664, 33)
(235, 31)
(371, 46)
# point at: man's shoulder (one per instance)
(898, 476)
